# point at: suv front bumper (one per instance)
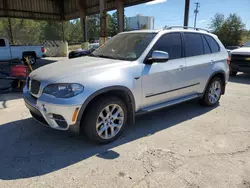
(56, 116)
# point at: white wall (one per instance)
(138, 21)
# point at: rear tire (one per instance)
(31, 59)
(213, 92)
(105, 120)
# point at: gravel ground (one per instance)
(184, 146)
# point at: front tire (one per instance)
(213, 92)
(105, 120)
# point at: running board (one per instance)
(167, 104)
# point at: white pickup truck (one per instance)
(240, 60)
(8, 52)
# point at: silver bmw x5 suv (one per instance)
(133, 73)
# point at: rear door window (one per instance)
(2, 43)
(193, 44)
(213, 44)
(170, 43)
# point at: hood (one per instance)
(241, 51)
(84, 65)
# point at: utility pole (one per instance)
(196, 11)
(186, 13)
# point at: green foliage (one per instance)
(112, 24)
(230, 30)
(245, 37)
(93, 27)
(26, 31)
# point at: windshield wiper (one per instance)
(103, 56)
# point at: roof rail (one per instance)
(185, 27)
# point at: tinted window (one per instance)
(2, 42)
(213, 44)
(170, 43)
(207, 49)
(193, 44)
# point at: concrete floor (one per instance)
(184, 146)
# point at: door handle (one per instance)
(212, 62)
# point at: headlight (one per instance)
(63, 90)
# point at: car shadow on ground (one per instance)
(29, 149)
(240, 78)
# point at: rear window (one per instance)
(193, 44)
(213, 44)
(2, 42)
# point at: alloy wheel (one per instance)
(214, 92)
(110, 121)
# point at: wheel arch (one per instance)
(120, 91)
(222, 76)
(29, 53)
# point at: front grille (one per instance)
(241, 60)
(236, 57)
(34, 87)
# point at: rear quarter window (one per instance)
(214, 46)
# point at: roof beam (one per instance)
(61, 7)
(56, 9)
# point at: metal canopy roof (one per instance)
(56, 9)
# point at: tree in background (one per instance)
(217, 23)
(51, 30)
(230, 30)
(113, 24)
(246, 37)
(93, 27)
(26, 31)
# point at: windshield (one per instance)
(125, 46)
(247, 44)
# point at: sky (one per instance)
(171, 12)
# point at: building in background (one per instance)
(140, 22)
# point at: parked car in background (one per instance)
(83, 52)
(230, 48)
(8, 52)
(133, 73)
(240, 60)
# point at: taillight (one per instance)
(43, 49)
(228, 60)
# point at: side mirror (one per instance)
(159, 57)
